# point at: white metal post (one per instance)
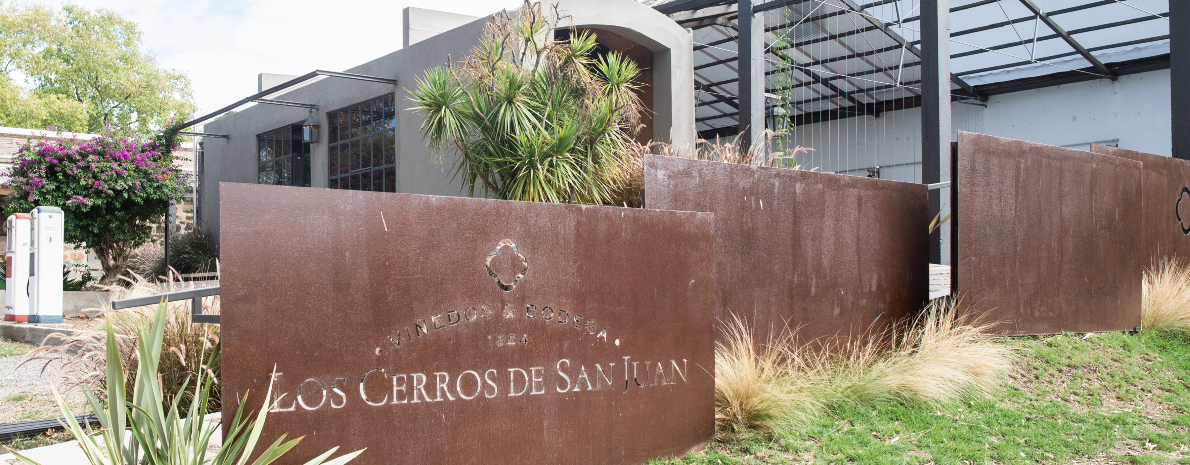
(46, 280)
(16, 262)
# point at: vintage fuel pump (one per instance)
(16, 268)
(45, 282)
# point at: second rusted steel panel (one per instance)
(389, 316)
(1047, 237)
(1165, 196)
(825, 253)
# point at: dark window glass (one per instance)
(388, 142)
(365, 152)
(366, 146)
(283, 157)
(332, 157)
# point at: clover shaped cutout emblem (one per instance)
(507, 285)
(1184, 195)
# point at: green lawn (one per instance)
(9, 348)
(1104, 399)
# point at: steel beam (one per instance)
(1179, 76)
(751, 72)
(1069, 40)
(286, 103)
(1063, 55)
(687, 5)
(935, 109)
(202, 134)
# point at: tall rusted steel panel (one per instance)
(1047, 238)
(455, 330)
(825, 253)
(1165, 199)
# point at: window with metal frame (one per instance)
(361, 146)
(283, 159)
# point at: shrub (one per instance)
(149, 429)
(110, 189)
(533, 118)
(1166, 297)
(192, 252)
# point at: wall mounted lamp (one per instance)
(310, 129)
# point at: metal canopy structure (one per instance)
(280, 89)
(832, 59)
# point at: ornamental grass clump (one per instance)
(142, 428)
(1165, 304)
(945, 355)
(760, 387)
(530, 117)
(188, 348)
(112, 190)
(938, 359)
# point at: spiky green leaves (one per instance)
(529, 118)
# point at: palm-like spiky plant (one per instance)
(533, 118)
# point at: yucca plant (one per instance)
(144, 432)
(533, 118)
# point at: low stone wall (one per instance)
(77, 303)
(32, 334)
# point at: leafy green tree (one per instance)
(111, 190)
(86, 70)
(533, 118)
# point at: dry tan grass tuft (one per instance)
(943, 357)
(759, 389)
(938, 359)
(1166, 301)
(627, 175)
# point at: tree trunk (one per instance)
(114, 260)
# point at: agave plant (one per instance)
(533, 118)
(143, 432)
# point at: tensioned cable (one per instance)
(984, 48)
(804, 18)
(795, 65)
(1011, 55)
(1129, 5)
(1018, 33)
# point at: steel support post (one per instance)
(935, 104)
(1179, 76)
(751, 70)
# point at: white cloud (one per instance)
(222, 45)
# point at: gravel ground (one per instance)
(25, 392)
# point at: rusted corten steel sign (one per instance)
(1165, 199)
(826, 254)
(1047, 238)
(455, 330)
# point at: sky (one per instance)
(222, 45)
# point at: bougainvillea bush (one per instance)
(112, 189)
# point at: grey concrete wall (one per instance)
(235, 159)
(419, 24)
